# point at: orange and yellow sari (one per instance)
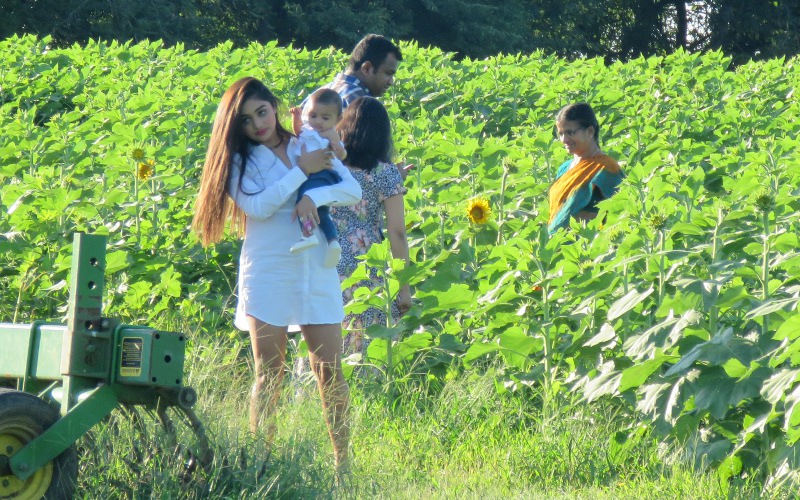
(580, 187)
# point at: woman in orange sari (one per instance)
(589, 177)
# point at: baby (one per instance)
(324, 112)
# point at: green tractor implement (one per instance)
(58, 381)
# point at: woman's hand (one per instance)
(306, 211)
(404, 169)
(404, 299)
(315, 161)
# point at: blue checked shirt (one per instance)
(349, 88)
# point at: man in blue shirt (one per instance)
(373, 64)
(371, 69)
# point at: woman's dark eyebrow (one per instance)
(245, 115)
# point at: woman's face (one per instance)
(578, 140)
(257, 120)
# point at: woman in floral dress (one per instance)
(366, 133)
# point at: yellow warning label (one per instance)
(131, 362)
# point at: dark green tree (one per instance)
(341, 23)
(612, 29)
(622, 29)
(754, 28)
(70, 21)
(470, 28)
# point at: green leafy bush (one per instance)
(681, 304)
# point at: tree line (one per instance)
(616, 30)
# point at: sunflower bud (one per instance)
(657, 221)
(765, 202)
(615, 235)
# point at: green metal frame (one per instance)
(91, 365)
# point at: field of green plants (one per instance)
(677, 313)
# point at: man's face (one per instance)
(378, 80)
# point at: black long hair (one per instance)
(366, 133)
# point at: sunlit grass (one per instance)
(463, 441)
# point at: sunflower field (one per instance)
(679, 305)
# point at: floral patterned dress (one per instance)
(359, 227)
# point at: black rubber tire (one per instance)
(23, 417)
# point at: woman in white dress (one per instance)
(248, 176)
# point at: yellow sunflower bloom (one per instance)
(146, 170)
(478, 211)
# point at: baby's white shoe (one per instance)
(304, 244)
(332, 254)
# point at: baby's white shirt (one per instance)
(308, 137)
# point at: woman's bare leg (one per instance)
(269, 352)
(325, 353)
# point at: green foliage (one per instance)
(611, 29)
(680, 305)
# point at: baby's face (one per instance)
(322, 117)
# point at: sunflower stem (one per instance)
(442, 217)
(387, 294)
(501, 216)
(138, 205)
(765, 267)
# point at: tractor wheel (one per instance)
(23, 417)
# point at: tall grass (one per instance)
(462, 440)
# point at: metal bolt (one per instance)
(9, 449)
(6, 483)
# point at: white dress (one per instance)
(275, 286)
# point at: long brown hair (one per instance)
(213, 205)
